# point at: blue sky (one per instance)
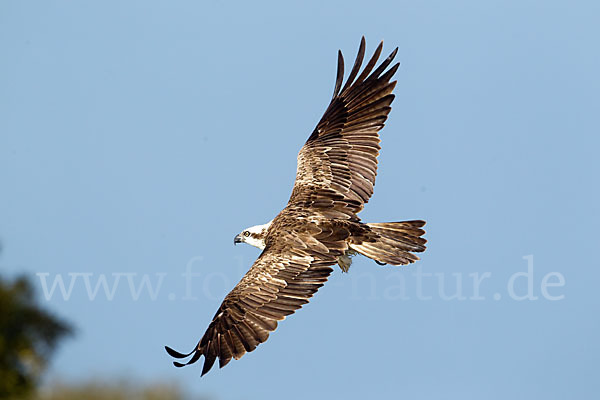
(138, 137)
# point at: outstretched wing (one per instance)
(338, 163)
(290, 270)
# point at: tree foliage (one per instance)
(99, 390)
(28, 336)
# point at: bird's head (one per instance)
(255, 236)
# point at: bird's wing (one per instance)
(338, 163)
(290, 270)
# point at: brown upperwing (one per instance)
(338, 164)
(293, 266)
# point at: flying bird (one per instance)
(319, 227)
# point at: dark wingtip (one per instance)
(176, 354)
(340, 74)
(371, 64)
(208, 363)
(357, 64)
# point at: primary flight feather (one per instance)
(319, 227)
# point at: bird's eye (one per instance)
(246, 233)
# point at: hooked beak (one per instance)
(237, 239)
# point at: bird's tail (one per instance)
(393, 243)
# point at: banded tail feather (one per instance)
(396, 242)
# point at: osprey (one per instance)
(319, 227)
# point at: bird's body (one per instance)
(319, 227)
